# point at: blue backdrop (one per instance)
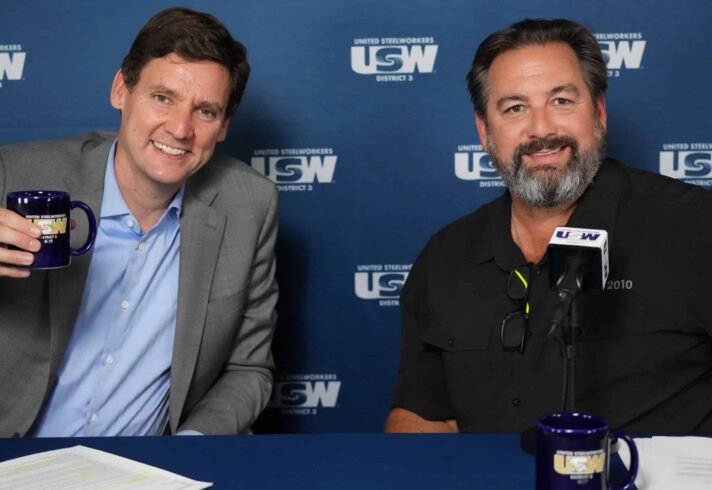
(358, 110)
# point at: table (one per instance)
(321, 461)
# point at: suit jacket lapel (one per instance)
(66, 285)
(201, 236)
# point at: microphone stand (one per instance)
(566, 324)
(569, 339)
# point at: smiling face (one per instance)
(543, 131)
(171, 120)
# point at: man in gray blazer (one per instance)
(166, 327)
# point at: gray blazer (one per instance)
(221, 375)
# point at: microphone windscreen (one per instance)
(590, 245)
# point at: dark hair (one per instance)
(538, 31)
(195, 36)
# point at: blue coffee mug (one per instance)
(50, 210)
(573, 452)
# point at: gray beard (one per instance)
(546, 188)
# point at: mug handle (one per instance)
(92, 228)
(633, 470)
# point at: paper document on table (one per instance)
(672, 462)
(79, 467)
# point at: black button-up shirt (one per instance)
(644, 360)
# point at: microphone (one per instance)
(578, 259)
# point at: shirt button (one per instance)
(124, 304)
(93, 419)
(141, 246)
(109, 360)
(450, 342)
(130, 223)
(516, 402)
(537, 271)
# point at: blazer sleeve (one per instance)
(244, 386)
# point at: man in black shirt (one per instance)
(645, 353)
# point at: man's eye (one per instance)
(515, 108)
(207, 113)
(160, 98)
(561, 101)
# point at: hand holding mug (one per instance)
(22, 236)
(45, 231)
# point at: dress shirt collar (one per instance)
(113, 203)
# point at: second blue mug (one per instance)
(573, 452)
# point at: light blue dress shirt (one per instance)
(116, 372)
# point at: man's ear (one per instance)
(482, 130)
(601, 111)
(118, 90)
(223, 130)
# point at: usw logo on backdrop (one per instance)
(689, 162)
(382, 282)
(304, 394)
(472, 163)
(12, 62)
(621, 50)
(393, 59)
(296, 169)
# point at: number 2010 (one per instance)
(620, 284)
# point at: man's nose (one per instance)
(180, 124)
(541, 123)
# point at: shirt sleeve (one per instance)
(421, 384)
(694, 267)
(189, 432)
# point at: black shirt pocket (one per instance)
(458, 336)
